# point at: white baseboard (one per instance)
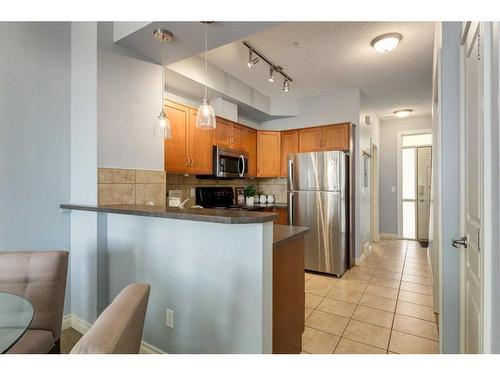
(391, 236)
(81, 326)
(367, 248)
(66, 322)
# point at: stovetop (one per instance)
(220, 197)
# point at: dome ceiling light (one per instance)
(387, 42)
(402, 113)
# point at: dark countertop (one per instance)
(193, 214)
(277, 205)
(283, 233)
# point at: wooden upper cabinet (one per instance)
(238, 137)
(175, 147)
(199, 147)
(336, 137)
(229, 134)
(324, 138)
(310, 139)
(251, 149)
(289, 145)
(268, 154)
(222, 133)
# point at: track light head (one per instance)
(271, 74)
(251, 60)
(286, 85)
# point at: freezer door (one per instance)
(325, 216)
(316, 171)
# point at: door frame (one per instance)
(400, 135)
(374, 194)
(486, 217)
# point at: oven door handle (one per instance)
(242, 171)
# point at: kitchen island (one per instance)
(213, 268)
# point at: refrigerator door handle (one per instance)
(290, 208)
(290, 173)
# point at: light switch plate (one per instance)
(193, 192)
(393, 189)
(170, 318)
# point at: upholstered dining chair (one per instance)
(39, 277)
(118, 330)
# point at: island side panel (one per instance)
(288, 296)
(217, 278)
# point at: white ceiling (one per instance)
(336, 55)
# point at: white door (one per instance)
(471, 293)
(424, 170)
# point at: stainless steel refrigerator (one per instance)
(319, 198)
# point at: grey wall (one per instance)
(495, 142)
(449, 189)
(34, 136)
(129, 102)
(389, 167)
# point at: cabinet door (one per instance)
(283, 215)
(251, 149)
(336, 137)
(310, 139)
(238, 137)
(222, 133)
(199, 150)
(175, 147)
(289, 145)
(268, 154)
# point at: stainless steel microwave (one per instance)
(229, 163)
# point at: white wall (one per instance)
(129, 102)
(341, 106)
(389, 129)
(366, 135)
(34, 136)
(217, 278)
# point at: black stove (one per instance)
(221, 198)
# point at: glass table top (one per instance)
(16, 314)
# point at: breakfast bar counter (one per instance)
(192, 214)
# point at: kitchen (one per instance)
(188, 154)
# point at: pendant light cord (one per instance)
(206, 60)
(162, 75)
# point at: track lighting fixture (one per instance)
(252, 60)
(273, 68)
(271, 74)
(286, 85)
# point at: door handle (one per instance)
(461, 242)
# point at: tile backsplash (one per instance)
(131, 186)
(263, 186)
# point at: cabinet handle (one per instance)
(192, 162)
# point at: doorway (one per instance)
(414, 184)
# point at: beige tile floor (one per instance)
(383, 305)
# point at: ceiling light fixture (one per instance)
(205, 117)
(402, 113)
(271, 74)
(251, 60)
(286, 85)
(273, 68)
(162, 128)
(387, 42)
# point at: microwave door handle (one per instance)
(242, 171)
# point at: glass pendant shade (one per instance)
(163, 128)
(205, 118)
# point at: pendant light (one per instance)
(205, 118)
(162, 128)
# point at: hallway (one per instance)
(383, 305)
